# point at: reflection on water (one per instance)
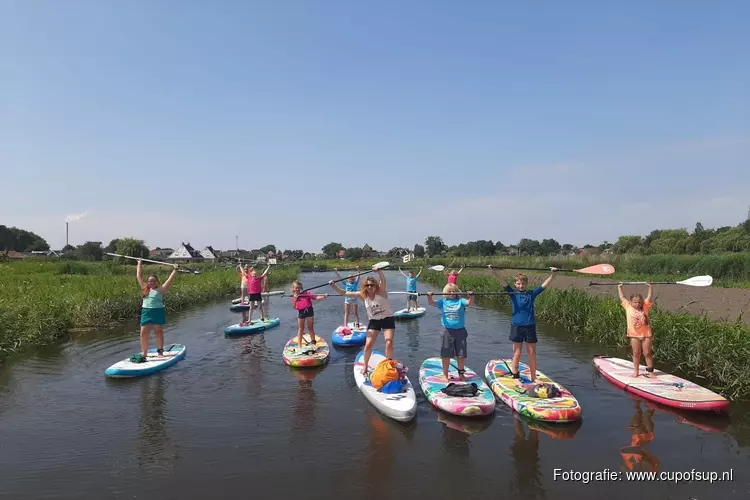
(154, 445)
(553, 429)
(466, 425)
(255, 351)
(635, 456)
(305, 409)
(411, 329)
(378, 466)
(526, 480)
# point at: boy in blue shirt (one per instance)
(454, 333)
(523, 324)
(411, 286)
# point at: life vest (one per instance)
(386, 372)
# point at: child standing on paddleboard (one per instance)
(243, 272)
(375, 297)
(639, 328)
(153, 314)
(254, 291)
(523, 324)
(302, 302)
(411, 286)
(351, 304)
(454, 333)
(452, 275)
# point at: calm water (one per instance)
(231, 420)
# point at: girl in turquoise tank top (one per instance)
(153, 315)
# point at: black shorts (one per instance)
(382, 324)
(412, 297)
(523, 333)
(254, 297)
(307, 312)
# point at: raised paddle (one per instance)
(595, 269)
(378, 266)
(458, 293)
(694, 281)
(179, 269)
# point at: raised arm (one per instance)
(551, 277)
(461, 270)
(470, 300)
(619, 291)
(266, 271)
(169, 281)
(139, 273)
(336, 272)
(420, 271)
(383, 288)
(402, 273)
(650, 292)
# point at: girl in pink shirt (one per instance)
(254, 290)
(453, 275)
(302, 302)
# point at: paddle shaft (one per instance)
(422, 294)
(640, 283)
(139, 258)
(341, 279)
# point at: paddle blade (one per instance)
(597, 269)
(697, 281)
(439, 267)
(381, 265)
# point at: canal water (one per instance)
(231, 420)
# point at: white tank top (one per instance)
(377, 307)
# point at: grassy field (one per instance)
(714, 354)
(728, 270)
(42, 301)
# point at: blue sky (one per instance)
(298, 122)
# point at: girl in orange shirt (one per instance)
(639, 327)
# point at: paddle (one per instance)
(694, 281)
(379, 265)
(459, 293)
(179, 269)
(595, 269)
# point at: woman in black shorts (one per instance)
(375, 297)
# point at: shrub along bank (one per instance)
(717, 355)
(41, 303)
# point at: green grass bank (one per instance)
(41, 301)
(728, 270)
(716, 355)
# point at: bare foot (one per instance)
(635, 374)
(461, 376)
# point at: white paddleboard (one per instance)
(401, 407)
(154, 363)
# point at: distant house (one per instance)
(368, 252)
(589, 252)
(208, 253)
(11, 255)
(186, 253)
(157, 253)
(43, 253)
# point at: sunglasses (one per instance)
(369, 285)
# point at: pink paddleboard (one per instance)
(659, 387)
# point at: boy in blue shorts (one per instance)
(523, 324)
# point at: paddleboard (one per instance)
(356, 338)
(126, 368)
(660, 387)
(256, 326)
(298, 357)
(432, 382)
(406, 314)
(401, 407)
(264, 294)
(561, 409)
